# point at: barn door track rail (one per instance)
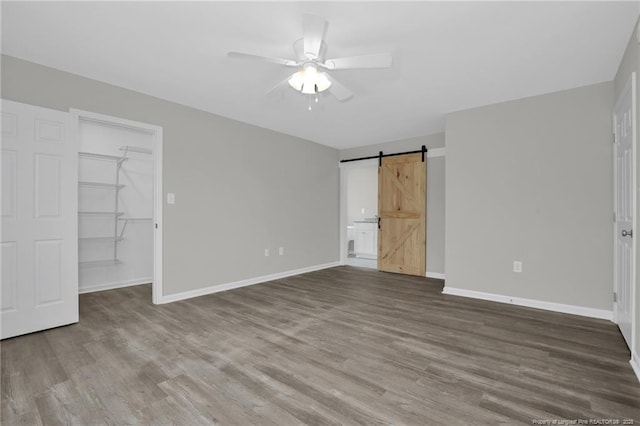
(381, 155)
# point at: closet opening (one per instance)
(119, 204)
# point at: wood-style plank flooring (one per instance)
(340, 346)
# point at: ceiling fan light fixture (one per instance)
(309, 81)
(323, 82)
(308, 88)
(296, 81)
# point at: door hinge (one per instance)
(615, 296)
(614, 138)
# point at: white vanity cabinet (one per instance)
(366, 239)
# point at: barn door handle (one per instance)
(626, 233)
(379, 222)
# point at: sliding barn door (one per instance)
(39, 219)
(402, 183)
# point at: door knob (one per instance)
(626, 233)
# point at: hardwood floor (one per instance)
(340, 346)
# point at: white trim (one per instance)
(634, 207)
(343, 201)
(531, 303)
(436, 152)
(437, 275)
(343, 249)
(614, 225)
(110, 286)
(113, 121)
(158, 242)
(243, 283)
(156, 132)
(635, 364)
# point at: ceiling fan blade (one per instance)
(338, 90)
(314, 29)
(276, 88)
(377, 60)
(279, 61)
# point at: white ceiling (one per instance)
(447, 56)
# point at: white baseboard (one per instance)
(531, 303)
(635, 364)
(243, 283)
(437, 275)
(111, 286)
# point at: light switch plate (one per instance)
(171, 198)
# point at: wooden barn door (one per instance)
(402, 183)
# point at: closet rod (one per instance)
(380, 155)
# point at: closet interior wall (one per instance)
(115, 207)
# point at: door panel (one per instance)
(624, 180)
(48, 270)
(39, 219)
(402, 209)
(9, 185)
(48, 186)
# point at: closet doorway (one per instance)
(119, 204)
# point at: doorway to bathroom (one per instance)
(360, 184)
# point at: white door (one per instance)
(624, 181)
(39, 246)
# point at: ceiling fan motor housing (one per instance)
(298, 49)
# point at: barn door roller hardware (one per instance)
(380, 155)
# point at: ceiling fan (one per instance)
(311, 76)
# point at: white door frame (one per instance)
(630, 85)
(156, 132)
(344, 167)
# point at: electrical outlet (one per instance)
(266, 252)
(281, 251)
(517, 266)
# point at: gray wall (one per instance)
(531, 180)
(631, 63)
(239, 188)
(435, 190)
